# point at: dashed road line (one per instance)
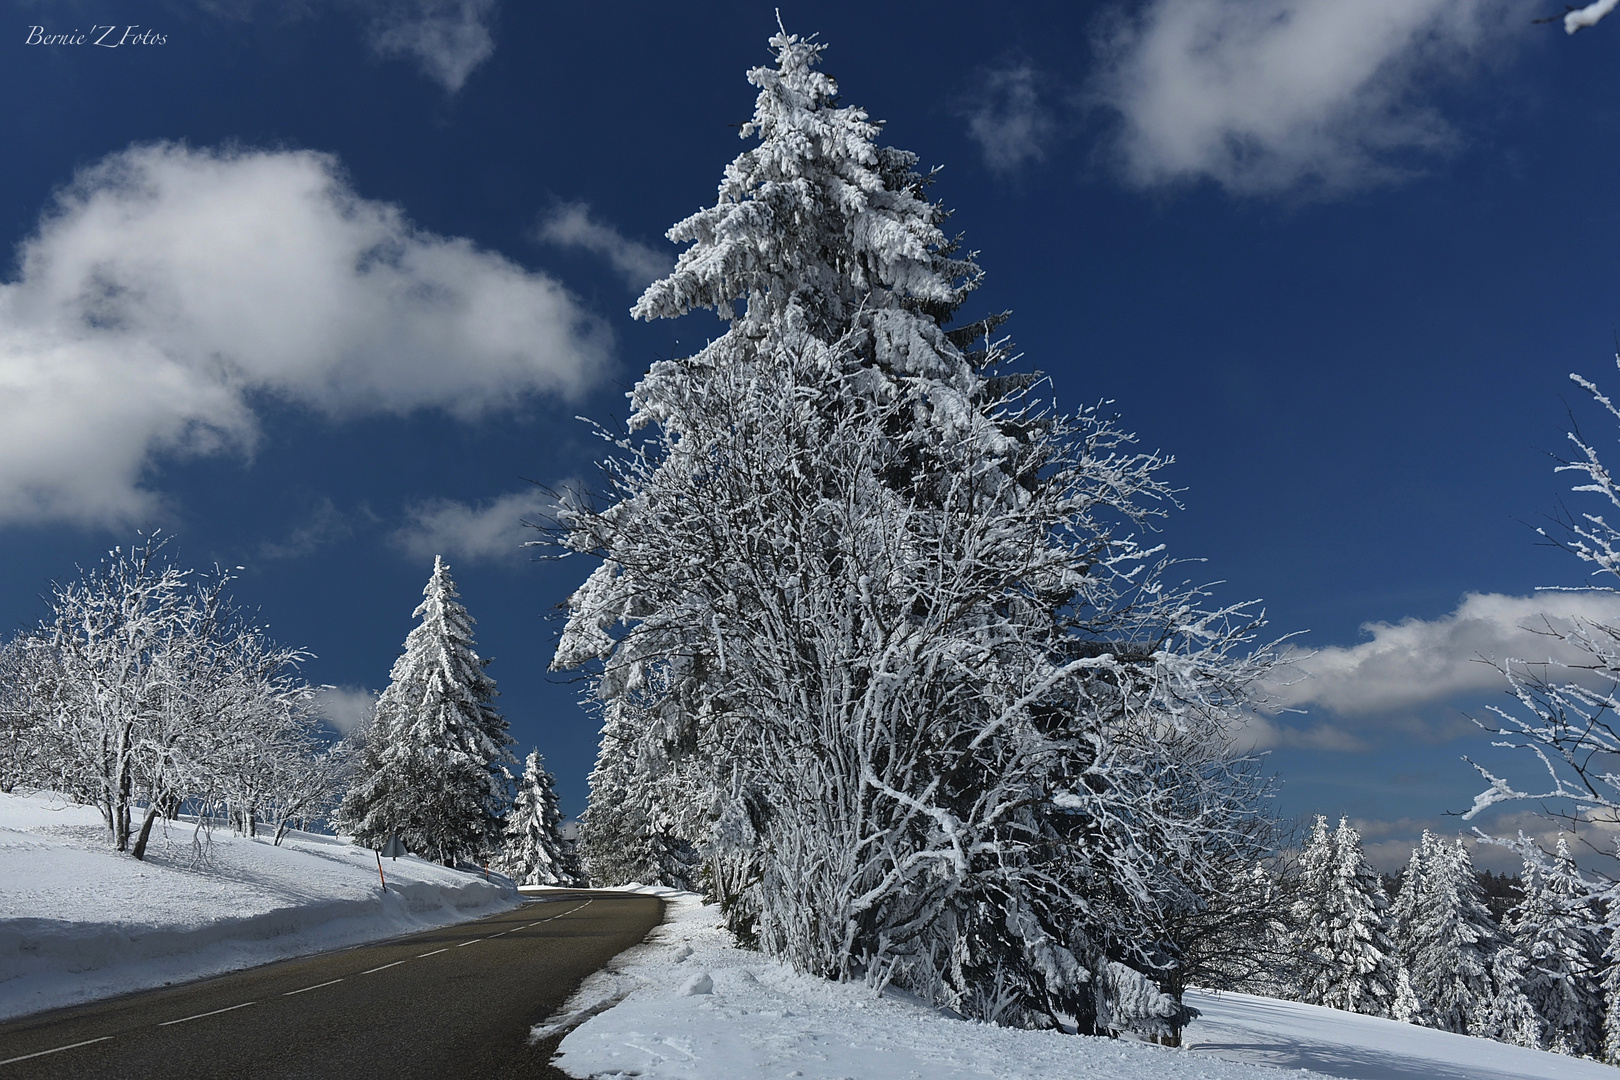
(317, 986)
(301, 990)
(199, 1016)
(54, 1050)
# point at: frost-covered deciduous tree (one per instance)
(1344, 927)
(876, 640)
(1565, 719)
(147, 686)
(536, 853)
(272, 762)
(1446, 936)
(434, 765)
(108, 639)
(1587, 15)
(1553, 929)
(27, 684)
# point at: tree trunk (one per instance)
(121, 812)
(146, 830)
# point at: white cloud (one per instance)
(489, 531)
(1006, 118)
(1265, 95)
(345, 707)
(1266, 733)
(447, 38)
(168, 286)
(1417, 661)
(571, 225)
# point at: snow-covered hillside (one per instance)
(691, 1007)
(79, 921)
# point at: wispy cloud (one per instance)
(1268, 95)
(169, 286)
(491, 531)
(327, 525)
(345, 707)
(571, 225)
(1007, 117)
(448, 39)
(1419, 661)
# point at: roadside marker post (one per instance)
(393, 849)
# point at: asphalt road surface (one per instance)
(451, 1003)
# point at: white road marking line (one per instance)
(57, 1050)
(385, 967)
(474, 941)
(317, 986)
(435, 952)
(199, 1016)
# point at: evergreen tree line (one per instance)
(1545, 976)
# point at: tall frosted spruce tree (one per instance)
(1446, 937)
(1554, 930)
(1350, 962)
(871, 636)
(536, 852)
(434, 767)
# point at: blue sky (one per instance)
(320, 287)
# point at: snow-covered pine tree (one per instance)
(1343, 915)
(1313, 907)
(629, 830)
(1451, 941)
(1406, 1008)
(1413, 896)
(434, 768)
(1553, 929)
(1510, 1017)
(1609, 938)
(864, 593)
(536, 852)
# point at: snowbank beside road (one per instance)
(686, 1005)
(79, 921)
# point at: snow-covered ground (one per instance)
(79, 921)
(688, 1006)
